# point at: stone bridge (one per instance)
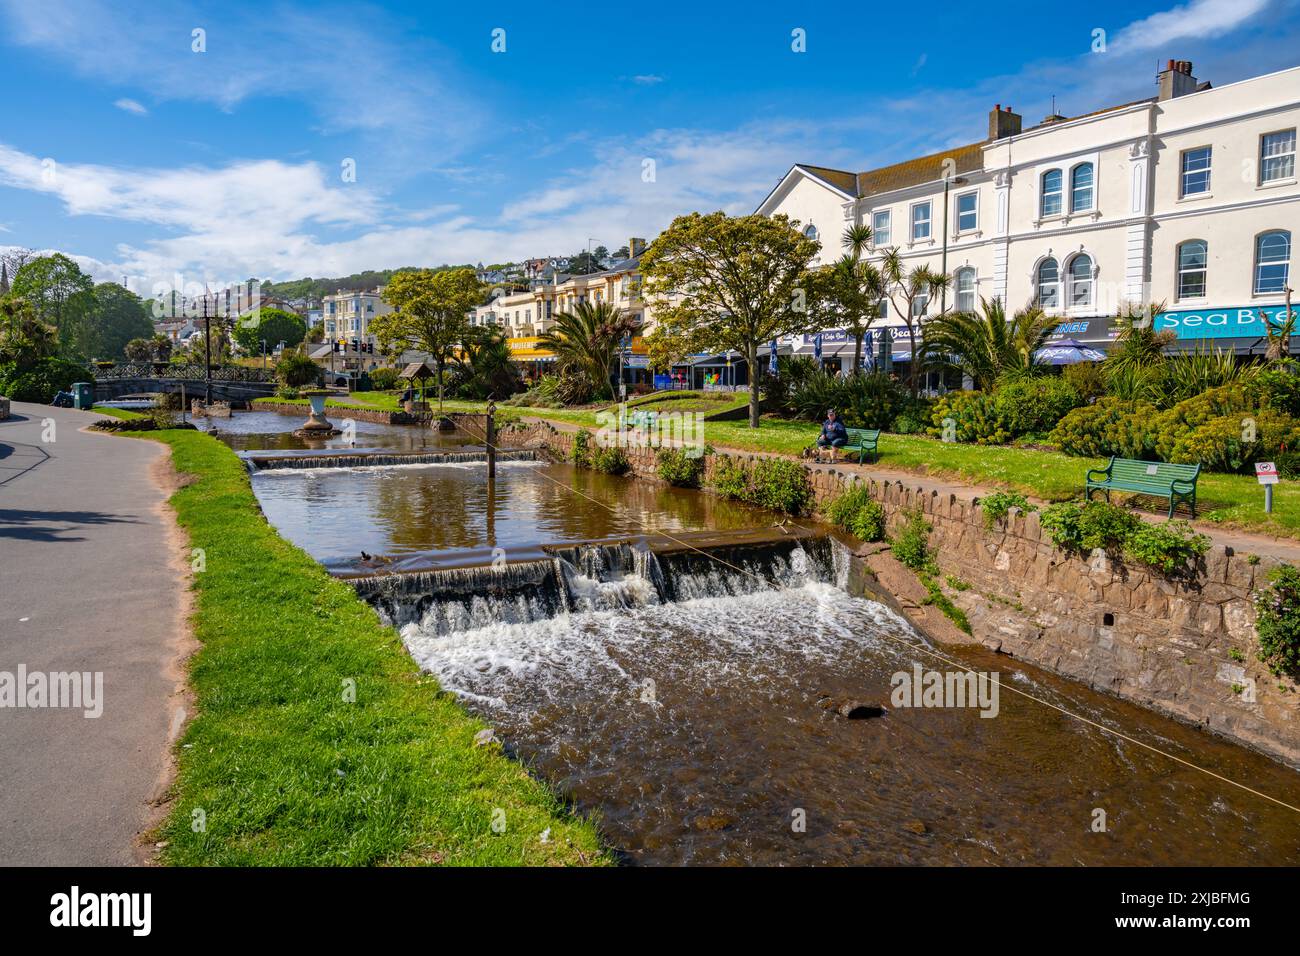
(229, 383)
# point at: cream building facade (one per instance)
(1189, 198)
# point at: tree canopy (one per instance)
(271, 326)
(719, 283)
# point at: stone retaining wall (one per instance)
(1184, 647)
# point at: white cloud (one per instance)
(131, 106)
(1199, 19)
(647, 79)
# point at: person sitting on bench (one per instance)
(833, 434)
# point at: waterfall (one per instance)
(597, 576)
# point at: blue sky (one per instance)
(121, 145)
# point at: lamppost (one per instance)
(207, 353)
(947, 182)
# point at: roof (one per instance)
(416, 370)
(924, 169)
(843, 181)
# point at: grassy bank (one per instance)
(283, 768)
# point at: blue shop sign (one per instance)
(1231, 323)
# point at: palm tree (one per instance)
(868, 284)
(986, 346)
(586, 340)
(483, 368)
(24, 338)
(1279, 336)
(1138, 345)
(908, 289)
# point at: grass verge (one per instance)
(280, 767)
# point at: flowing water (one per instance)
(274, 431)
(679, 694)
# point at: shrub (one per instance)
(1169, 426)
(678, 468)
(1081, 527)
(297, 370)
(911, 546)
(1111, 426)
(731, 478)
(286, 391)
(996, 506)
(1233, 443)
(858, 513)
(1278, 387)
(863, 401)
(384, 379)
(1166, 547)
(610, 461)
(1032, 406)
(1277, 620)
(40, 381)
(1087, 378)
(580, 454)
(780, 484)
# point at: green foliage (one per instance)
(781, 484)
(1277, 620)
(1111, 426)
(1278, 387)
(580, 454)
(997, 505)
(296, 370)
(911, 545)
(943, 603)
(384, 379)
(116, 316)
(986, 347)
(62, 296)
(1018, 407)
(41, 380)
(483, 368)
(1166, 547)
(1087, 378)
(677, 467)
(1081, 527)
(609, 461)
(585, 341)
(268, 328)
(858, 513)
(1233, 443)
(730, 478)
(862, 401)
(776, 483)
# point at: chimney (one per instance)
(1176, 79)
(1003, 123)
(635, 247)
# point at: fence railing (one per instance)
(189, 372)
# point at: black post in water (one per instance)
(491, 432)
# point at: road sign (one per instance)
(1266, 473)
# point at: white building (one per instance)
(347, 315)
(1189, 198)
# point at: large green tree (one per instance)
(61, 294)
(270, 326)
(718, 283)
(586, 340)
(116, 316)
(432, 314)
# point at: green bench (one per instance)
(1161, 479)
(864, 441)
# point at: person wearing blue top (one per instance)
(833, 433)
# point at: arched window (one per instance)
(810, 231)
(1081, 187)
(1192, 258)
(1049, 203)
(1049, 284)
(1080, 281)
(966, 289)
(1272, 261)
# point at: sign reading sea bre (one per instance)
(1231, 323)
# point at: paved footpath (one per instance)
(85, 585)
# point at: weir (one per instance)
(365, 459)
(603, 575)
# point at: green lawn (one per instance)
(287, 772)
